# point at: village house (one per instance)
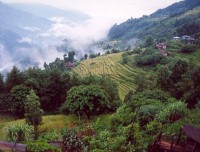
(176, 38)
(187, 39)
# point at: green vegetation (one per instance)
(176, 20)
(110, 66)
(115, 102)
(33, 113)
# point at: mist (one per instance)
(79, 37)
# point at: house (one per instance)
(176, 38)
(187, 39)
(161, 46)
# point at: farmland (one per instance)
(110, 65)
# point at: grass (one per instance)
(193, 57)
(54, 122)
(51, 122)
(110, 65)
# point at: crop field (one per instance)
(110, 65)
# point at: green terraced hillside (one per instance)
(110, 65)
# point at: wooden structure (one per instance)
(192, 144)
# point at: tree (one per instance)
(86, 99)
(18, 98)
(149, 41)
(180, 68)
(33, 113)
(15, 77)
(2, 85)
(163, 77)
(85, 56)
(53, 92)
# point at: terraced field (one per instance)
(110, 65)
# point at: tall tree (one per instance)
(86, 99)
(33, 113)
(2, 85)
(15, 77)
(163, 77)
(18, 98)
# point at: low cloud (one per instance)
(25, 40)
(79, 37)
(31, 28)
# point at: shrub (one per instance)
(172, 112)
(23, 132)
(72, 142)
(188, 48)
(50, 136)
(41, 147)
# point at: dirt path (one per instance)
(9, 146)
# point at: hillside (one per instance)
(110, 65)
(164, 23)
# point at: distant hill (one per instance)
(163, 23)
(16, 20)
(49, 11)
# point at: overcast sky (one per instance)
(115, 10)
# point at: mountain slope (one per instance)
(123, 75)
(49, 11)
(16, 20)
(162, 23)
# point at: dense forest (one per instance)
(164, 23)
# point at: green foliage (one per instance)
(41, 147)
(178, 70)
(188, 48)
(53, 91)
(86, 99)
(148, 57)
(178, 19)
(2, 84)
(128, 97)
(137, 50)
(18, 99)
(188, 29)
(15, 77)
(125, 58)
(33, 113)
(72, 142)
(149, 42)
(147, 113)
(19, 132)
(50, 136)
(163, 77)
(172, 112)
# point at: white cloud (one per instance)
(31, 29)
(6, 59)
(25, 40)
(79, 35)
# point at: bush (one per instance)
(50, 136)
(72, 142)
(23, 132)
(172, 112)
(147, 113)
(188, 48)
(41, 147)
